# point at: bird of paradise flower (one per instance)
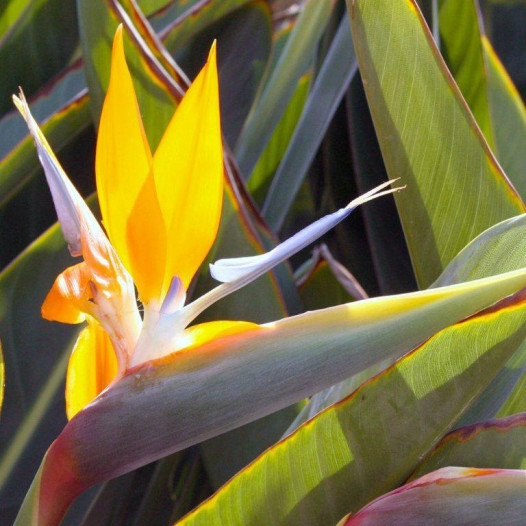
(161, 213)
(141, 387)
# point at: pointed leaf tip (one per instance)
(212, 54)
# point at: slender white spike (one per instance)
(68, 202)
(229, 270)
(238, 272)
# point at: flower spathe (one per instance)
(161, 212)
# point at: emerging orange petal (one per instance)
(206, 332)
(67, 301)
(91, 368)
(125, 182)
(188, 171)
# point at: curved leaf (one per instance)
(499, 443)
(338, 69)
(451, 495)
(37, 40)
(498, 249)
(292, 64)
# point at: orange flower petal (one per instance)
(146, 241)
(188, 171)
(205, 332)
(91, 368)
(125, 184)
(67, 301)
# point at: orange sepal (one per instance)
(125, 184)
(188, 171)
(91, 368)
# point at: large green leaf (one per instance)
(203, 392)
(455, 188)
(338, 68)
(370, 442)
(499, 249)
(499, 443)
(496, 250)
(486, 86)
(273, 99)
(37, 40)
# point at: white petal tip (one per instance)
(65, 197)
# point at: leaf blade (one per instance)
(431, 142)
